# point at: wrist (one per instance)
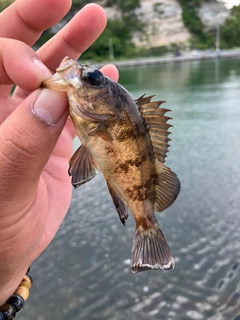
(9, 284)
(16, 301)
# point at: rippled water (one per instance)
(84, 273)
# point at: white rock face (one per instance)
(164, 23)
(113, 13)
(163, 19)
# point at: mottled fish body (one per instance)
(127, 141)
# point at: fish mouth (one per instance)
(55, 83)
(66, 72)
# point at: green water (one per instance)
(84, 274)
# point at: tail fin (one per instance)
(150, 251)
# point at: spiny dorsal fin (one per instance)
(81, 167)
(144, 100)
(157, 125)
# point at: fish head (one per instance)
(90, 93)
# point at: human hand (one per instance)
(35, 139)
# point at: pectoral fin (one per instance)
(81, 167)
(88, 114)
(121, 207)
(167, 187)
(101, 131)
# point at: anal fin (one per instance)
(121, 207)
(81, 167)
(150, 251)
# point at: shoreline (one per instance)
(196, 56)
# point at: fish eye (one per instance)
(93, 77)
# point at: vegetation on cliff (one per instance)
(200, 38)
(230, 34)
(118, 33)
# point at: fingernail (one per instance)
(50, 106)
(42, 68)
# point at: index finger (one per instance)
(75, 37)
(29, 18)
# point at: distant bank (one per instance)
(195, 55)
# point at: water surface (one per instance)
(84, 273)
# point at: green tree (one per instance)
(230, 37)
(119, 31)
(120, 35)
(194, 24)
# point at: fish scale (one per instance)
(127, 140)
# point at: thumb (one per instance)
(27, 138)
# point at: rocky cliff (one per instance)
(164, 25)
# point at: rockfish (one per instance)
(127, 140)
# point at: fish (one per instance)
(127, 140)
